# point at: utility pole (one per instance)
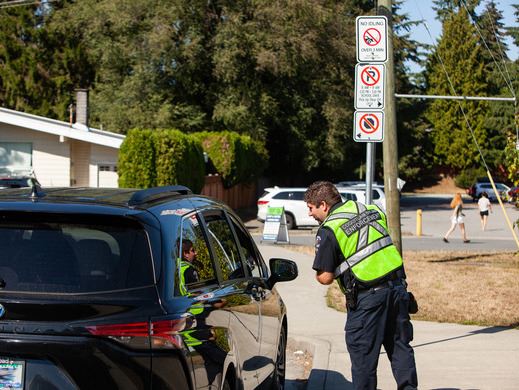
(390, 144)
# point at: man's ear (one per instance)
(325, 206)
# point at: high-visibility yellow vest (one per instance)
(362, 234)
(184, 266)
(196, 308)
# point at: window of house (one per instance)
(15, 158)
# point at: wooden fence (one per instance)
(237, 197)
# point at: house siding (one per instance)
(80, 163)
(102, 155)
(50, 157)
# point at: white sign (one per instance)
(369, 86)
(371, 32)
(275, 227)
(368, 126)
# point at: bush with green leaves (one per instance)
(237, 158)
(150, 158)
(469, 176)
(136, 166)
(179, 160)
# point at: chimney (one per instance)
(82, 107)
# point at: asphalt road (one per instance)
(435, 222)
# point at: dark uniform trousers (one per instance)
(381, 318)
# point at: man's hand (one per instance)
(324, 277)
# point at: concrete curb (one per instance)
(320, 350)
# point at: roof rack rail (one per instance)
(142, 196)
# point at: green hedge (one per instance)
(162, 157)
(237, 158)
(136, 166)
(150, 158)
(180, 160)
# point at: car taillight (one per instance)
(157, 334)
(262, 202)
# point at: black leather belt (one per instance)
(386, 284)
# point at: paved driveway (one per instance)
(435, 223)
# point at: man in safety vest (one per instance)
(188, 273)
(353, 246)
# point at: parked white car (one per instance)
(296, 210)
(377, 193)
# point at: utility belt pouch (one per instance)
(351, 291)
(413, 304)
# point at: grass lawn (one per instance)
(460, 287)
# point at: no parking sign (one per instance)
(368, 126)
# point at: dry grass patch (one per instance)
(459, 287)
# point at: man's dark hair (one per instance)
(320, 191)
(186, 245)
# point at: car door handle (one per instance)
(258, 293)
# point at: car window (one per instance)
(251, 257)
(349, 196)
(59, 254)
(282, 195)
(298, 195)
(223, 245)
(195, 267)
(375, 194)
(500, 186)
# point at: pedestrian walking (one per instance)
(484, 207)
(457, 218)
(353, 246)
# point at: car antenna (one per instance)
(36, 191)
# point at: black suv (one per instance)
(135, 289)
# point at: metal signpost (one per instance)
(371, 37)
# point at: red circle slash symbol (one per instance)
(372, 36)
(370, 76)
(368, 123)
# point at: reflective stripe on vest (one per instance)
(361, 232)
(184, 265)
(196, 308)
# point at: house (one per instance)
(60, 154)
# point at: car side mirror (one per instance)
(281, 270)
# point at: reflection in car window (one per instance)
(248, 251)
(194, 265)
(223, 245)
(282, 195)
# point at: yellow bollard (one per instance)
(419, 222)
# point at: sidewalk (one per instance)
(448, 356)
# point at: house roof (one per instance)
(76, 131)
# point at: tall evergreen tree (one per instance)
(457, 61)
(40, 66)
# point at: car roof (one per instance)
(119, 197)
(271, 189)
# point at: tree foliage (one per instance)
(456, 69)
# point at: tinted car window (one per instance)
(224, 247)
(349, 196)
(193, 249)
(247, 247)
(46, 255)
(282, 195)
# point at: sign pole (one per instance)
(370, 169)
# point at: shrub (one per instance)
(179, 160)
(237, 158)
(162, 157)
(469, 176)
(136, 166)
